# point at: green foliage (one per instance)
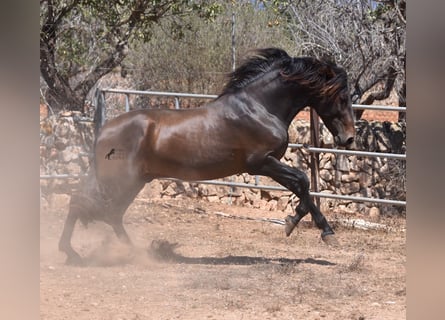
(379, 11)
(186, 45)
(199, 57)
(82, 40)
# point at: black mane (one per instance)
(320, 77)
(260, 62)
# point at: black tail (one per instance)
(99, 115)
(99, 120)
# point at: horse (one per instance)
(243, 130)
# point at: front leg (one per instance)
(296, 181)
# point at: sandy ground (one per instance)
(202, 265)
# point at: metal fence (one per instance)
(100, 99)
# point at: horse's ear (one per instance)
(327, 70)
(328, 58)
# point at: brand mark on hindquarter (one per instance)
(116, 154)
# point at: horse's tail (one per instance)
(99, 120)
(99, 115)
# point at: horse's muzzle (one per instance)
(344, 141)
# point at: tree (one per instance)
(83, 40)
(199, 60)
(366, 37)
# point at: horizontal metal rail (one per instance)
(160, 93)
(253, 186)
(213, 96)
(279, 188)
(381, 108)
(348, 152)
(62, 176)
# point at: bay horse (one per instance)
(245, 129)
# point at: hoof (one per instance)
(330, 240)
(163, 249)
(290, 225)
(74, 260)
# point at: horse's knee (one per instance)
(301, 186)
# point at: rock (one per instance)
(333, 159)
(151, 190)
(271, 205)
(356, 207)
(342, 163)
(325, 162)
(70, 153)
(61, 143)
(366, 192)
(325, 175)
(349, 177)
(213, 198)
(374, 214)
(227, 200)
(353, 164)
(259, 203)
(282, 203)
(323, 185)
(384, 168)
(169, 191)
(266, 195)
(241, 200)
(252, 195)
(64, 127)
(327, 138)
(350, 188)
(365, 179)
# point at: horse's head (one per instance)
(335, 107)
(308, 81)
(329, 96)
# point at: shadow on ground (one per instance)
(164, 251)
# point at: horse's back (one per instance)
(150, 143)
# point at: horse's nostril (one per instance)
(350, 141)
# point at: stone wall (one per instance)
(66, 141)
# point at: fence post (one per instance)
(127, 102)
(315, 160)
(177, 106)
(99, 114)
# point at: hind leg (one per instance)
(116, 222)
(73, 258)
(117, 209)
(121, 233)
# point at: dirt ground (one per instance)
(203, 265)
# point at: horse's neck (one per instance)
(278, 100)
